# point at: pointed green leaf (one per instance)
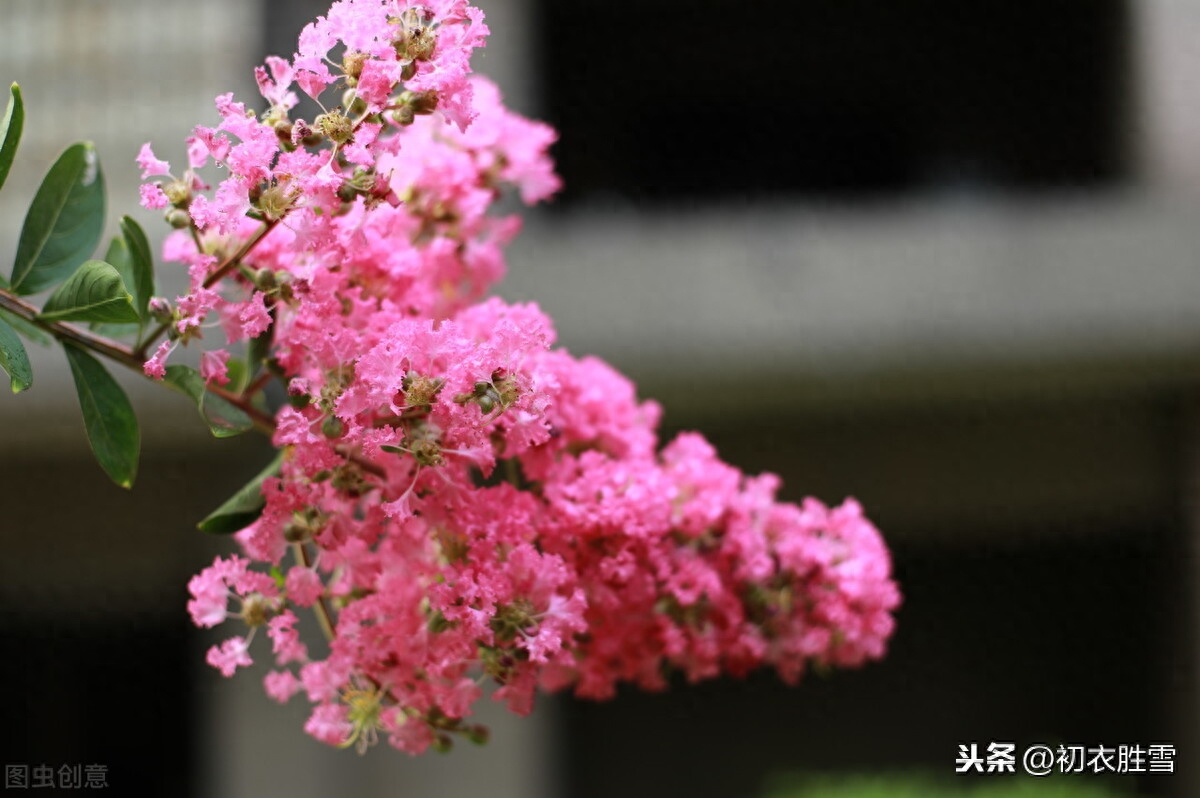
(94, 292)
(117, 256)
(10, 131)
(140, 281)
(243, 372)
(116, 331)
(224, 418)
(239, 375)
(13, 359)
(32, 333)
(112, 428)
(64, 222)
(244, 507)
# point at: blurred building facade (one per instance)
(937, 257)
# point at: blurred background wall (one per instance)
(938, 256)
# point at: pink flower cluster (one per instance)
(462, 502)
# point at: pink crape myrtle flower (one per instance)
(458, 501)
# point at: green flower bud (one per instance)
(264, 279)
(404, 115)
(333, 427)
(178, 218)
(478, 733)
(296, 532)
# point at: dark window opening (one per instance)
(662, 101)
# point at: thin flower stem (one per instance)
(235, 260)
(259, 383)
(321, 609)
(196, 236)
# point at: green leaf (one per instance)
(112, 428)
(95, 292)
(64, 222)
(13, 359)
(115, 331)
(117, 255)
(257, 350)
(35, 334)
(239, 375)
(10, 131)
(31, 333)
(224, 418)
(140, 280)
(243, 372)
(244, 507)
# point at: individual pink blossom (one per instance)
(151, 164)
(214, 366)
(152, 197)
(328, 724)
(155, 367)
(304, 586)
(281, 685)
(286, 643)
(230, 655)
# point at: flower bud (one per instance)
(333, 427)
(404, 115)
(477, 733)
(264, 279)
(346, 192)
(425, 102)
(296, 531)
(178, 218)
(283, 279)
(160, 309)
